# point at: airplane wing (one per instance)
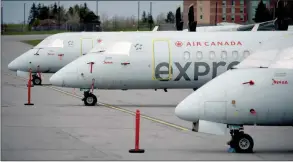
(278, 54)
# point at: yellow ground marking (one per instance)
(112, 107)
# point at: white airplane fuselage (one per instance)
(49, 56)
(58, 50)
(178, 60)
(248, 94)
(258, 91)
(52, 58)
(230, 98)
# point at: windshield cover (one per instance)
(101, 47)
(120, 48)
(51, 42)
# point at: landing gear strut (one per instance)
(89, 99)
(240, 142)
(36, 80)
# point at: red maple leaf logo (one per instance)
(99, 40)
(178, 43)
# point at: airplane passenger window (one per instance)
(199, 54)
(224, 54)
(212, 55)
(246, 53)
(186, 55)
(235, 54)
(120, 48)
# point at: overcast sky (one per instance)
(13, 11)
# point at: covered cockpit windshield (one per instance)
(119, 48)
(99, 48)
(51, 42)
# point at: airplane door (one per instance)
(161, 57)
(86, 45)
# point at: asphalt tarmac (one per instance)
(59, 127)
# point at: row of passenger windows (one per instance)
(223, 55)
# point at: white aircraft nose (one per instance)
(187, 110)
(13, 66)
(56, 80)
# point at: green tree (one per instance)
(62, 13)
(70, 11)
(81, 15)
(86, 9)
(73, 14)
(39, 10)
(72, 18)
(76, 8)
(170, 17)
(55, 11)
(33, 14)
(44, 13)
(51, 14)
(36, 22)
(144, 17)
(290, 8)
(150, 21)
(262, 13)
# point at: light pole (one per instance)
(23, 17)
(97, 7)
(138, 5)
(59, 17)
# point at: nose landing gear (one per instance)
(89, 99)
(36, 80)
(240, 142)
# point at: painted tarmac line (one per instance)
(110, 106)
(124, 110)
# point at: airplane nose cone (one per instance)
(13, 66)
(187, 110)
(56, 80)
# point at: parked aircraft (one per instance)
(258, 91)
(161, 61)
(264, 26)
(58, 50)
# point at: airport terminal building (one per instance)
(236, 11)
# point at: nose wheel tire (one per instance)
(242, 143)
(36, 80)
(90, 100)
